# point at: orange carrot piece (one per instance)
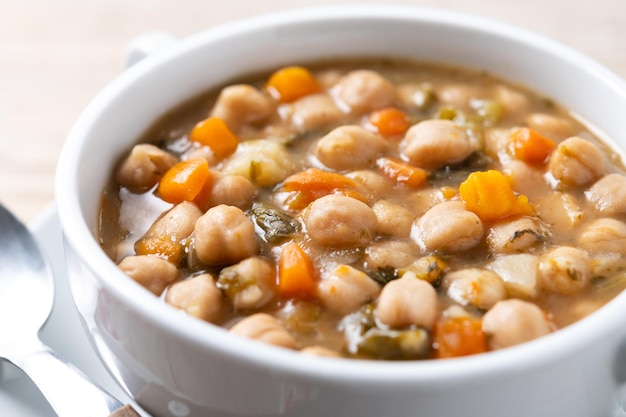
(530, 146)
(459, 336)
(389, 121)
(163, 246)
(291, 83)
(490, 196)
(214, 133)
(296, 274)
(184, 181)
(314, 183)
(401, 172)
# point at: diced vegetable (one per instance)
(184, 181)
(163, 246)
(291, 83)
(490, 196)
(395, 344)
(272, 225)
(459, 336)
(401, 172)
(384, 274)
(389, 121)
(429, 268)
(296, 274)
(519, 271)
(314, 183)
(530, 146)
(214, 133)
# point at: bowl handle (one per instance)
(147, 44)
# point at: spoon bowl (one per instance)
(26, 286)
(26, 299)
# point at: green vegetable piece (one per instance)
(271, 225)
(395, 344)
(384, 274)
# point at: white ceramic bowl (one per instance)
(178, 366)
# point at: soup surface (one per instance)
(372, 209)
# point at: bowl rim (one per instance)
(518, 359)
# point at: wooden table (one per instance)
(55, 55)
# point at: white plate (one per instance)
(62, 332)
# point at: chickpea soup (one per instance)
(372, 209)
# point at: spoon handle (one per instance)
(67, 389)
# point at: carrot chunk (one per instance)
(291, 83)
(314, 183)
(389, 121)
(489, 195)
(296, 274)
(214, 133)
(163, 246)
(459, 336)
(530, 146)
(401, 172)
(184, 181)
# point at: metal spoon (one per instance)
(26, 298)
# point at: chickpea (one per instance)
(395, 253)
(496, 141)
(241, 104)
(315, 111)
(604, 235)
(224, 235)
(433, 143)
(349, 147)
(447, 226)
(408, 301)
(143, 167)
(478, 287)
(340, 221)
(526, 179)
(166, 236)
(369, 183)
(609, 195)
(232, 190)
(515, 236)
(393, 219)
(513, 102)
(576, 162)
(319, 351)
(458, 95)
(177, 222)
(416, 96)
(152, 272)
(264, 328)
(511, 322)
(344, 289)
(550, 126)
(363, 91)
(564, 270)
(197, 296)
(249, 284)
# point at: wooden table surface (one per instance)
(55, 55)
